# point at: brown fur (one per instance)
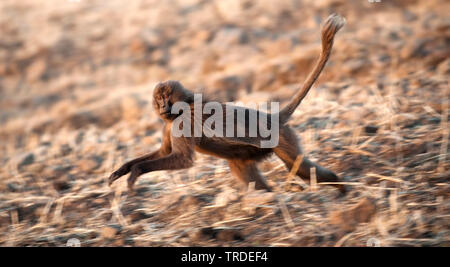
(242, 153)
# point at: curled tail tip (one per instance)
(331, 26)
(334, 22)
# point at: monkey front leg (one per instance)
(164, 150)
(126, 168)
(173, 161)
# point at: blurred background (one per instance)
(76, 78)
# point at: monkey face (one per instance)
(165, 95)
(162, 100)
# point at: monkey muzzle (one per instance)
(165, 108)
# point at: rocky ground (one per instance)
(75, 103)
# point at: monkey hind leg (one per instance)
(289, 154)
(247, 171)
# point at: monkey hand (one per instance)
(118, 173)
(134, 174)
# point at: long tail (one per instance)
(332, 25)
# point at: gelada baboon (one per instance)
(242, 153)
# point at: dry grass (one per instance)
(378, 117)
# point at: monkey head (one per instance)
(168, 93)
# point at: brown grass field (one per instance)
(76, 79)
